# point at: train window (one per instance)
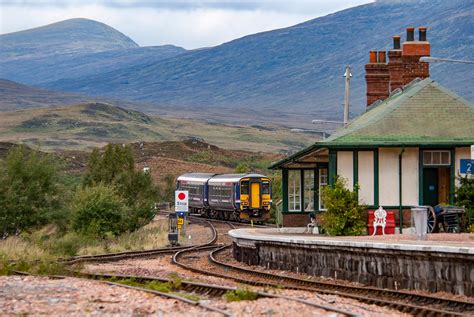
(265, 188)
(244, 188)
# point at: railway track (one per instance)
(108, 257)
(403, 301)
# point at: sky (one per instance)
(186, 23)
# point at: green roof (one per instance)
(423, 113)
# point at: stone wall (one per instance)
(385, 268)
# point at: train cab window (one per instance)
(244, 188)
(265, 188)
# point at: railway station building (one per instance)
(404, 150)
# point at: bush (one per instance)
(30, 193)
(240, 294)
(344, 215)
(465, 198)
(98, 210)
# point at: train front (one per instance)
(255, 197)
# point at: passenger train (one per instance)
(228, 196)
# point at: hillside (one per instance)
(282, 74)
(17, 96)
(74, 36)
(95, 124)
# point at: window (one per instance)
(294, 190)
(309, 190)
(244, 188)
(436, 158)
(323, 182)
(265, 188)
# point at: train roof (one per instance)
(196, 177)
(231, 178)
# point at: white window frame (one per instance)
(310, 189)
(292, 190)
(437, 152)
(321, 185)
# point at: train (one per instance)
(235, 197)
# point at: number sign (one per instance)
(467, 167)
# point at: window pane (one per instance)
(436, 158)
(244, 188)
(265, 188)
(308, 190)
(323, 182)
(427, 158)
(445, 158)
(294, 190)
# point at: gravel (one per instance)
(28, 295)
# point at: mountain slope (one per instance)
(96, 123)
(74, 36)
(296, 70)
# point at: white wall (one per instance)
(366, 177)
(410, 177)
(388, 176)
(345, 168)
(461, 153)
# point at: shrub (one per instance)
(344, 215)
(465, 197)
(98, 210)
(29, 190)
(240, 294)
(242, 168)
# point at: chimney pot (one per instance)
(410, 34)
(396, 42)
(422, 34)
(372, 57)
(382, 57)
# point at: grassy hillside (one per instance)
(89, 125)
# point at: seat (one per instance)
(380, 220)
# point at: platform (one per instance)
(444, 262)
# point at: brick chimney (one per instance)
(377, 77)
(395, 65)
(411, 52)
(404, 65)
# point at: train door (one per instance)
(255, 194)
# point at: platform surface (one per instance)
(441, 242)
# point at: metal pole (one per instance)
(346, 95)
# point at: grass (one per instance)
(240, 294)
(38, 252)
(81, 127)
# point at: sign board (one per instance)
(180, 221)
(467, 167)
(472, 152)
(181, 200)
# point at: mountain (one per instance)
(287, 76)
(74, 36)
(76, 47)
(93, 124)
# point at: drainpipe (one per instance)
(400, 209)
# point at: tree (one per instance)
(465, 198)
(29, 190)
(116, 167)
(99, 210)
(344, 215)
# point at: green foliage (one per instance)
(98, 210)
(30, 191)
(242, 168)
(465, 197)
(116, 168)
(276, 182)
(344, 215)
(240, 295)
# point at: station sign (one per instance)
(181, 201)
(467, 167)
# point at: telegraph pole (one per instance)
(348, 76)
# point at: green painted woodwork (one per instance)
(284, 188)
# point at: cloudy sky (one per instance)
(186, 23)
